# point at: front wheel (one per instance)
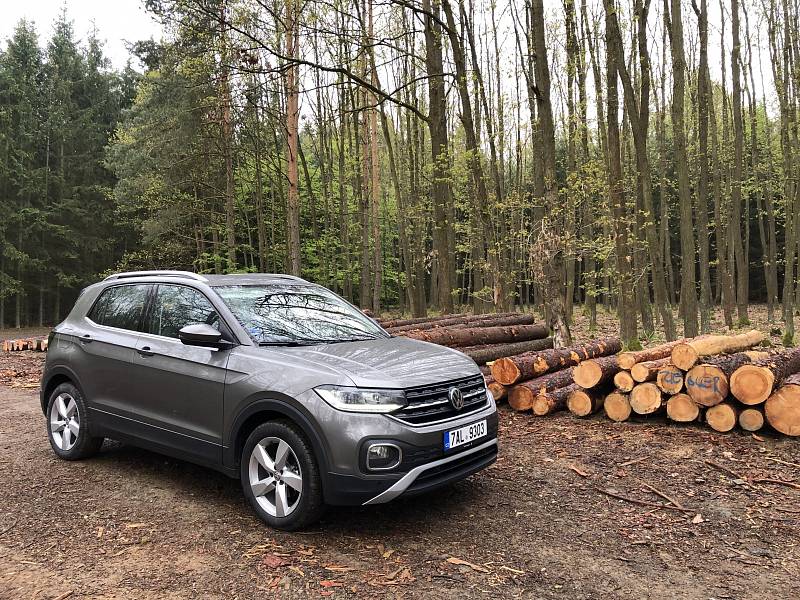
(68, 424)
(280, 476)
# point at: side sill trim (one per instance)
(405, 482)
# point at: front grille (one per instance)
(430, 404)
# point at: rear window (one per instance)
(121, 306)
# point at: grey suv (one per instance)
(268, 378)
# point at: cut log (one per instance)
(389, 323)
(583, 403)
(617, 406)
(553, 401)
(646, 398)
(648, 370)
(624, 381)
(487, 353)
(682, 408)
(471, 336)
(523, 395)
(498, 390)
(751, 419)
(722, 417)
(782, 408)
(670, 379)
(707, 383)
(512, 369)
(457, 322)
(686, 354)
(752, 384)
(595, 371)
(628, 359)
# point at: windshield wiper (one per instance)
(291, 343)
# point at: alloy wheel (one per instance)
(276, 478)
(65, 421)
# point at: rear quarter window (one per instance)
(121, 306)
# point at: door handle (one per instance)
(86, 338)
(145, 351)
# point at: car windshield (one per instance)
(276, 314)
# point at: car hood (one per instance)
(388, 362)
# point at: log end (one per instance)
(624, 381)
(520, 398)
(682, 409)
(670, 379)
(684, 356)
(707, 385)
(543, 405)
(580, 403)
(783, 410)
(751, 419)
(587, 374)
(646, 399)
(626, 360)
(722, 417)
(498, 390)
(751, 384)
(505, 371)
(617, 406)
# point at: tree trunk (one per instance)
(292, 134)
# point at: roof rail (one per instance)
(181, 274)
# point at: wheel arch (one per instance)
(52, 379)
(271, 409)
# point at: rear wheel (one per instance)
(280, 476)
(68, 424)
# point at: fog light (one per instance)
(382, 457)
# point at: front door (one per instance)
(180, 389)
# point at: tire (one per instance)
(272, 491)
(68, 424)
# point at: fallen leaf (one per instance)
(758, 438)
(698, 519)
(457, 561)
(578, 471)
(388, 553)
(330, 583)
(273, 562)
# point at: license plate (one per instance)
(464, 435)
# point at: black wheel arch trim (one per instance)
(282, 406)
(58, 370)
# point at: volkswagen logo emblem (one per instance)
(456, 398)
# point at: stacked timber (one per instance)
(472, 336)
(543, 381)
(35, 344)
(486, 353)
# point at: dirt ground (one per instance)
(539, 524)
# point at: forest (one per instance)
(418, 156)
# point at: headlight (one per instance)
(362, 400)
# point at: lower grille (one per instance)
(454, 470)
(431, 404)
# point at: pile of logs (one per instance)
(718, 380)
(36, 344)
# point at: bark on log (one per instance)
(670, 379)
(782, 408)
(752, 384)
(583, 403)
(524, 394)
(593, 372)
(646, 399)
(624, 381)
(512, 369)
(487, 353)
(686, 355)
(708, 383)
(460, 322)
(617, 406)
(722, 417)
(389, 323)
(648, 370)
(480, 335)
(552, 401)
(628, 359)
(682, 409)
(751, 419)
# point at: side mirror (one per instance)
(200, 334)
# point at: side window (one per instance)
(175, 307)
(120, 306)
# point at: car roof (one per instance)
(211, 280)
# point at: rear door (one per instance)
(107, 347)
(180, 388)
